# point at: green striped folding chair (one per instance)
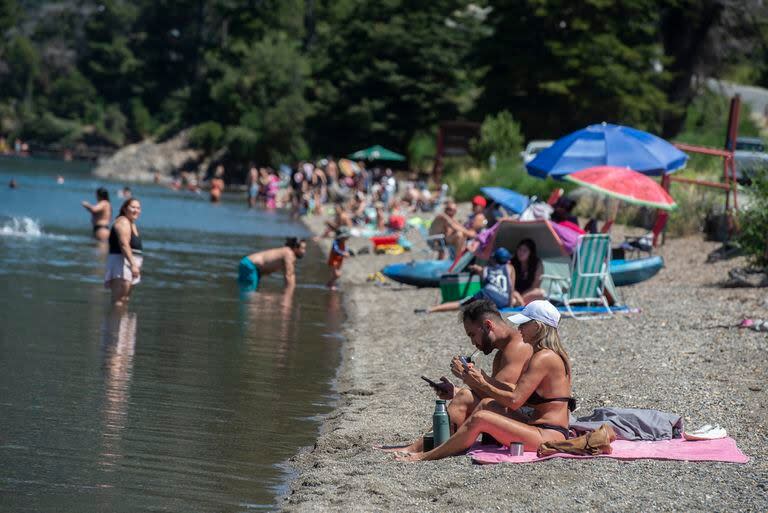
(590, 270)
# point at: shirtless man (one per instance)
(254, 267)
(454, 233)
(487, 331)
(101, 214)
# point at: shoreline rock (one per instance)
(144, 161)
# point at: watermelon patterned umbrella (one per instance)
(624, 184)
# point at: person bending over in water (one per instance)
(488, 331)
(125, 249)
(101, 214)
(545, 385)
(253, 267)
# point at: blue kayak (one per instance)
(426, 273)
(629, 272)
(419, 273)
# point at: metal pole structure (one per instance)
(729, 166)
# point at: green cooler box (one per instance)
(454, 287)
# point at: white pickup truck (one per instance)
(533, 149)
(749, 156)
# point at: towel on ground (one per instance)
(722, 449)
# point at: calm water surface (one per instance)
(188, 401)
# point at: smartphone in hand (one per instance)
(464, 362)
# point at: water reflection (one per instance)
(118, 344)
(271, 315)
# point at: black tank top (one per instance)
(523, 282)
(114, 242)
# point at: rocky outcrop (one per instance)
(142, 162)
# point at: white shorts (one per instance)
(118, 268)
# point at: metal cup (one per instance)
(516, 449)
(429, 441)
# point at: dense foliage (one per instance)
(753, 221)
(277, 80)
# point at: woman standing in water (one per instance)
(124, 260)
(101, 214)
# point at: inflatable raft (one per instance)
(426, 273)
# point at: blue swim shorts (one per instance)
(247, 274)
(483, 295)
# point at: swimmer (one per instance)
(12, 184)
(59, 179)
(125, 193)
(101, 214)
(253, 267)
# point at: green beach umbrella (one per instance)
(377, 152)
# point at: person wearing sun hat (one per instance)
(477, 220)
(545, 386)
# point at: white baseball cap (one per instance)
(540, 310)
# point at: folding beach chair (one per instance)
(590, 272)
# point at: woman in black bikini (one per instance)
(125, 249)
(545, 385)
(101, 214)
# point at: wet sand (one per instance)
(681, 354)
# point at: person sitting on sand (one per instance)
(101, 214)
(477, 220)
(545, 386)
(253, 267)
(488, 331)
(454, 234)
(528, 271)
(497, 283)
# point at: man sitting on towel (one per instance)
(487, 330)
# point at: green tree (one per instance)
(70, 96)
(753, 221)
(500, 136)
(386, 70)
(107, 59)
(23, 68)
(259, 88)
(559, 65)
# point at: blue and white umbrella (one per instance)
(512, 201)
(607, 145)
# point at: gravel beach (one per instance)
(682, 353)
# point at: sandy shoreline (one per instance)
(678, 355)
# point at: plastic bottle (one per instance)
(441, 424)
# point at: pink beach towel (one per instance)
(723, 449)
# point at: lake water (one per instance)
(193, 398)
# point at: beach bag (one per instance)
(591, 444)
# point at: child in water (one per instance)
(338, 253)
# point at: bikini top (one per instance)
(535, 398)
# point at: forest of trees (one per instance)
(279, 80)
